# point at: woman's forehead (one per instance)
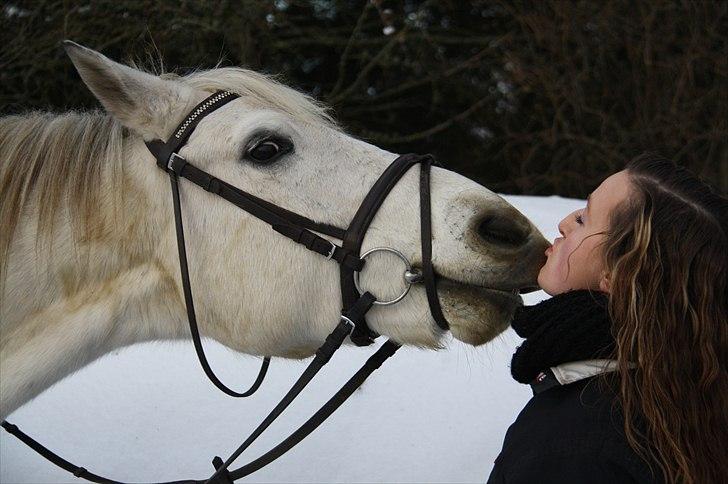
(611, 192)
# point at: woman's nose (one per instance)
(563, 226)
(567, 223)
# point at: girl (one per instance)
(629, 359)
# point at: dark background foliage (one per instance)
(535, 97)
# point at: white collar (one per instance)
(578, 370)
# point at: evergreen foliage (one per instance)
(535, 97)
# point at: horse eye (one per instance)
(267, 150)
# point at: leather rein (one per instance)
(302, 230)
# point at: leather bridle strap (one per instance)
(168, 158)
(221, 475)
(285, 222)
(357, 229)
(290, 224)
(323, 355)
(55, 458)
(262, 209)
(426, 242)
(190, 306)
(375, 361)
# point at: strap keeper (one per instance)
(213, 185)
(335, 339)
(306, 238)
(161, 151)
(322, 246)
(290, 231)
(357, 310)
(352, 261)
(80, 472)
(224, 476)
(361, 337)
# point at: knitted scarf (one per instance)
(568, 327)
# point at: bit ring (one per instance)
(410, 277)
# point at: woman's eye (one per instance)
(268, 150)
(579, 218)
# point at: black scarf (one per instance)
(568, 327)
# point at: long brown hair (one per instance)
(666, 252)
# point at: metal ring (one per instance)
(408, 267)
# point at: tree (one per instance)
(526, 97)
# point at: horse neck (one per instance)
(109, 288)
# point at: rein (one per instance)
(302, 230)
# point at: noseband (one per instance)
(303, 230)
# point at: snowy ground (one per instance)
(148, 413)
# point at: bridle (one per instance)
(300, 229)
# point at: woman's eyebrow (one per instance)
(587, 203)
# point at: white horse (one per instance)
(88, 261)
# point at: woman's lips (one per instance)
(551, 248)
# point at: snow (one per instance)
(148, 413)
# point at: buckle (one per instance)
(347, 320)
(170, 162)
(331, 252)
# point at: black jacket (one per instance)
(570, 434)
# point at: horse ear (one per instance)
(141, 101)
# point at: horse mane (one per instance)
(67, 158)
(54, 159)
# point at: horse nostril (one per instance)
(502, 231)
